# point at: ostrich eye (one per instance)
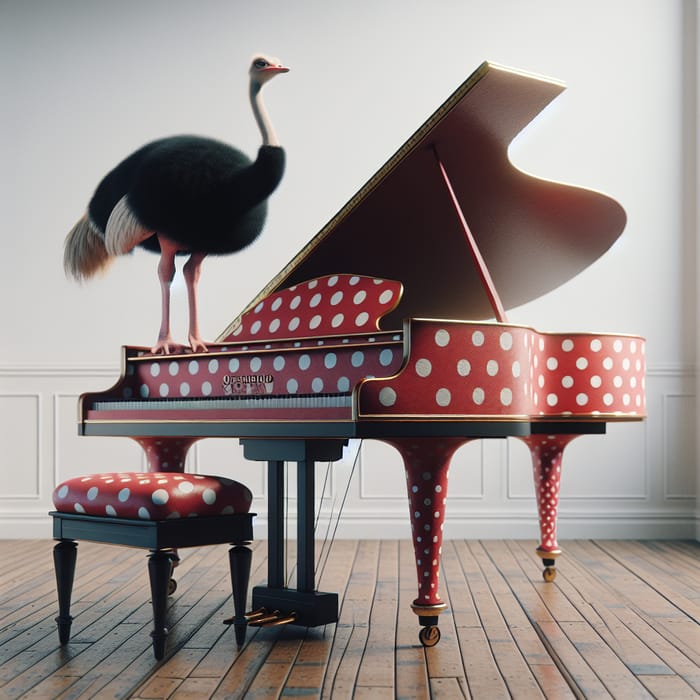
(260, 63)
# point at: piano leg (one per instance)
(166, 454)
(427, 462)
(547, 452)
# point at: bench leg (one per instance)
(239, 560)
(65, 554)
(159, 570)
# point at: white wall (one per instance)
(86, 81)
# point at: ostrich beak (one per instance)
(276, 69)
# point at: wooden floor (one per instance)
(621, 620)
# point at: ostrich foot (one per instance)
(197, 344)
(165, 346)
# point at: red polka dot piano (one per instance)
(391, 325)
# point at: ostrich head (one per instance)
(263, 68)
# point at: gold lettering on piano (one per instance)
(247, 383)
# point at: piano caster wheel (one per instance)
(549, 574)
(429, 636)
(172, 586)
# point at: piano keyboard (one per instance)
(229, 404)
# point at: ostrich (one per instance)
(183, 194)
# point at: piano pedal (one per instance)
(273, 619)
(255, 614)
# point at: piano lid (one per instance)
(533, 234)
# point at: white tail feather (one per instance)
(124, 230)
(84, 252)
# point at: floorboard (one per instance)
(621, 620)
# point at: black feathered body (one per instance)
(198, 192)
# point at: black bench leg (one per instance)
(239, 561)
(159, 569)
(65, 554)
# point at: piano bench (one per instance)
(159, 511)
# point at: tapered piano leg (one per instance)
(427, 462)
(65, 554)
(547, 452)
(166, 454)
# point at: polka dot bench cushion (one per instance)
(151, 495)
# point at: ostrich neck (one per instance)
(269, 137)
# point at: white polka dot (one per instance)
(608, 399)
(173, 368)
(492, 368)
(552, 363)
(209, 496)
(78, 508)
(567, 382)
(477, 338)
(123, 495)
(386, 357)
(213, 366)
(304, 362)
(276, 304)
(387, 396)
(336, 298)
(552, 399)
(506, 341)
(144, 514)
(506, 397)
(255, 364)
(478, 395)
(278, 363)
(160, 497)
(582, 363)
(343, 384)
(443, 397)
(358, 359)
(567, 345)
(292, 386)
(463, 368)
(596, 381)
(185, 487)
(617, 346)
(361, 319)
(608, 363)
(442, 338)
(274, 325)
(92, 493)
(515, 369)
(337, 320)
(294, 323)
(206, 388)
(315, 301)
(255, 328)
(596, 345)
(294, 303)
(317, 384)
(62, 492)
(109, 510)
(234, 365)
(164, 390)
(386, 296)
(581, 399)
(359, 297)
(330, 360)
(315, 322)
(333, 280)
(155, 369)
(423, 367)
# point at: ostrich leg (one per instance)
(166, 273)
(547, 452)
(427, 462)
(192, 271)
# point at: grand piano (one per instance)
(391, 325)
